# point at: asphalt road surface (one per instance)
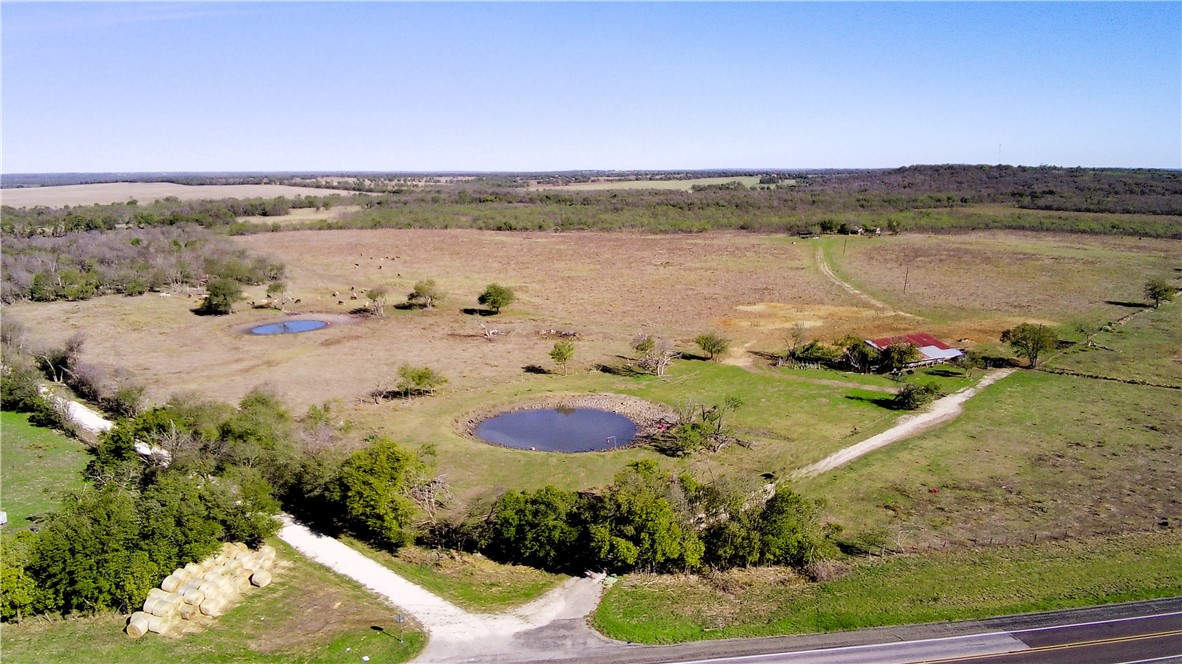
(1125, 634)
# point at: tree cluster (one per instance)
(648, 521)
(79, 266)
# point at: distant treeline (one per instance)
(932, 198)
(170, 211)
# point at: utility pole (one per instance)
(906, 278)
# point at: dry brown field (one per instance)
(116, 192)
(605, 286)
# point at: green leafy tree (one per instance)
(534, 528)
(712, 344)
(496, 297)
(416, 381)
(221, 295)
(562, 353)
(1159, 291)
(1029, 341)
(85, 557)
(260, 434)
(789, 530)
(372, 489)
(243, 502)
(896, 357)
(426, 294)
(636, 526)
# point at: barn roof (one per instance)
(917, 339)
(930, 348)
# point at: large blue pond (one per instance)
(289, 327)
(558, 430)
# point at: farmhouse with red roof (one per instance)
(931, 350)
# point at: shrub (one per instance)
(912, 395)
(221, 296)
(496, 297)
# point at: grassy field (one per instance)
(898, 590)
(1147, 348)
(680, 185)
(470, 581)
(37, 465)
(607, 287)
(308, 614)
(1015, 276)
(1035, 454)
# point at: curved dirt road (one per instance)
(455, 634)
(826, 270)
(941, 411)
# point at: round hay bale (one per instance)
(158, 625)
(213, 607)
(261, 578)
(171, 583)
(138, 625)
(193, 596)
(189, 611)
(241, 546)
(234, 567)
(223, 586)
(249, 560)
(229, 550)
(160, 607)
(193, 569)
(267, 550)
(242, 583)
(156, 592)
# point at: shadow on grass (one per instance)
(621, 369)
(1130, 305)
(882, 402)
(473, 311)
(946, 373)
(536, 369)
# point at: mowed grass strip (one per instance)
(308, 614)
(36, 467)
(1034, 454)
(469, 581)
(958, 585)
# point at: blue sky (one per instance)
(557, 86)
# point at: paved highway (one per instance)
(1135, 633)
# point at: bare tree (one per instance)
(658, 353)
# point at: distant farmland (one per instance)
(114, 192)
(683, 185)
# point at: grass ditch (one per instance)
(959, 585)
(472, 582)
(308, 614)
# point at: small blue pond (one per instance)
(558, 430)
(289, 327)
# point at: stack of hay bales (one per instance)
(207, 588)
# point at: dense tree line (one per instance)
(81, 265)
(647, 520)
